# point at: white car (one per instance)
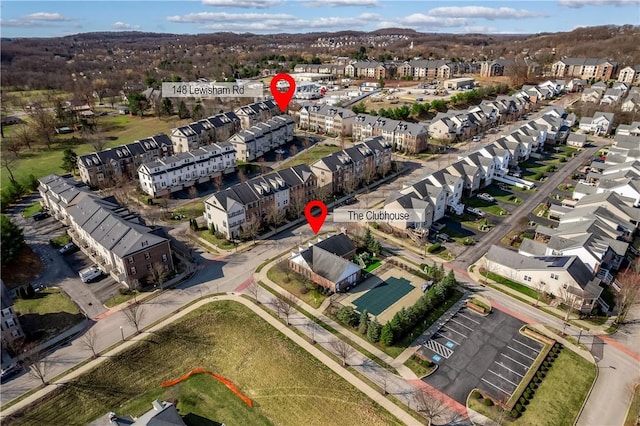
(486, 197)
(475, 211)
(279, 151)
(476, 139)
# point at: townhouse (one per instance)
(600, 123)
(632, 101)
(566, 277)
(254, 142)
(10, 328)
(630, 75)
(612, 96)
(334, 121)
(252, 114)
(370, 69)
(170, 174)
(585, 68)
(403, 136)
(107, 167)
(496, 67)
(431, 69)
(632, 129)
(217, 128)
(229, 210)
(109, 234)
(342, 171)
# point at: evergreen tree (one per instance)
(375, 248)
(30, 293)
(183, 111)
(368, 238)
(347, 315)
(386, 335)
(69, 160)
(12, 240)
(363, 325)
(373, 331)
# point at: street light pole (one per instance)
(122, 332)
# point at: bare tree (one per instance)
(383, 383)
(152, 217)
(284, 304)
(96, 139)
(342, 349)
(241, 176)
(429, 406)
(254, 290)
(39, 366)
(134, 314)
(192, 192)
(158, 274)
(278, 157)
(313, 330)
(44, 124)
(276, 215)
(629, 283)
(24, 136)
(293, 150)
(263, 165)
(306, 142)
(539, 287)
(7, 162)
(350, 183)
(323, 193)
(569, 300)
(217, 182)
(297, 204)
(251, 228)
(384, 168)
(13, 146)
(369, 173)
(89, 340)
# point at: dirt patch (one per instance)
(23, 271)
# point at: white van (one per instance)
(90, 273)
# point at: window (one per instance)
(554, 276)
(164, 257)
(527, 278)
(133, 270)
(149, 266)
(131, 259)
(147, 255)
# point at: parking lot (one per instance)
(103, 287)
(487, 353)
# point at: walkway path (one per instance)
(287, 331)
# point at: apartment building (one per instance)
(342, 171)
(217, 128)
(170, 174)
(403, 136)
(286, 190)
(585, 68)
(109, 234)
(334, 121)
(254, 142)
(107, 167)
(257, 112)
(630, 75)
(10, 328)
(494, 68)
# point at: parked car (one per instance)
(476, 139)
(90, 273)
(279, 151)
(443, 237)
(436, 226)
(350, 201)
(475, 211)
(68, 248)
(486, 197)
(40, 216)
(9, 372)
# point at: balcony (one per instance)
(604, 275)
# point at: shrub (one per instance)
(488, 402)
(434, 247)
(519, 408)
(475, 394)
(544, 368)
(540, 374)
(527, 394)
(513, 413)
(304, 290)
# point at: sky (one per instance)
(25, 18)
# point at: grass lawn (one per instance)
(634, 408)
(560, 395)
(310, 155)
(192, 209)
(287, 385)
(32, 209)
(117, 130)
(418, 366)
(372, 266)
(504, 196)
(61, 241)
(512, 284)
(119, 298)
(294, 285)
(206, 234)
(47, 314)
(485, 206)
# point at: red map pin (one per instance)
(315, 221)
(283, 98)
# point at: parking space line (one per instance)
(527, 346)
(513, 371)
(465, 326)
(516, 361)
(497, 387)
(524, 355)
(451, 329)
(470, 319)
(448, 338)
(503, 378)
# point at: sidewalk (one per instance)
(287, 331)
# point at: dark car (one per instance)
(350, 201)
(40, 216)
(68, 248)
